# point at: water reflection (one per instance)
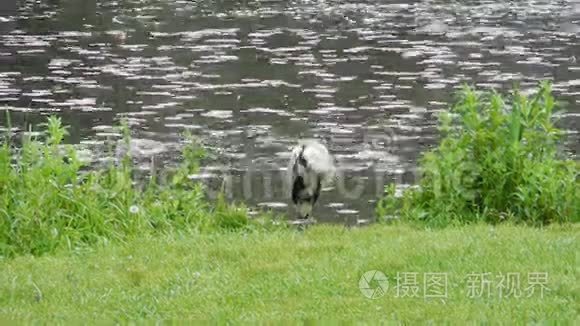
(8, 12)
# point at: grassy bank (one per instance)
(78, 242)
(299, 275)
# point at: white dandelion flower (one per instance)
(134, 209)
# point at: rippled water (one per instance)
(251, 77)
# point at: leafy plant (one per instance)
(48, 199)
(495, 162)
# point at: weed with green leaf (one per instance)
(495, 162)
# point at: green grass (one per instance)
(49, 199)
(301, 276)
(496, 162)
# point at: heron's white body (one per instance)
(311, 167)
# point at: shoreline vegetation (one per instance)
(498, 160)
(50, 199)
(496, 195)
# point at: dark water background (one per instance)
(251, 77)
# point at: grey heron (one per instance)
(310, 168)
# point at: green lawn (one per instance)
(303, 276)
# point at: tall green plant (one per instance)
(47, 201)
(494, 162)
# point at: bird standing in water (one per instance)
(311, 167)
